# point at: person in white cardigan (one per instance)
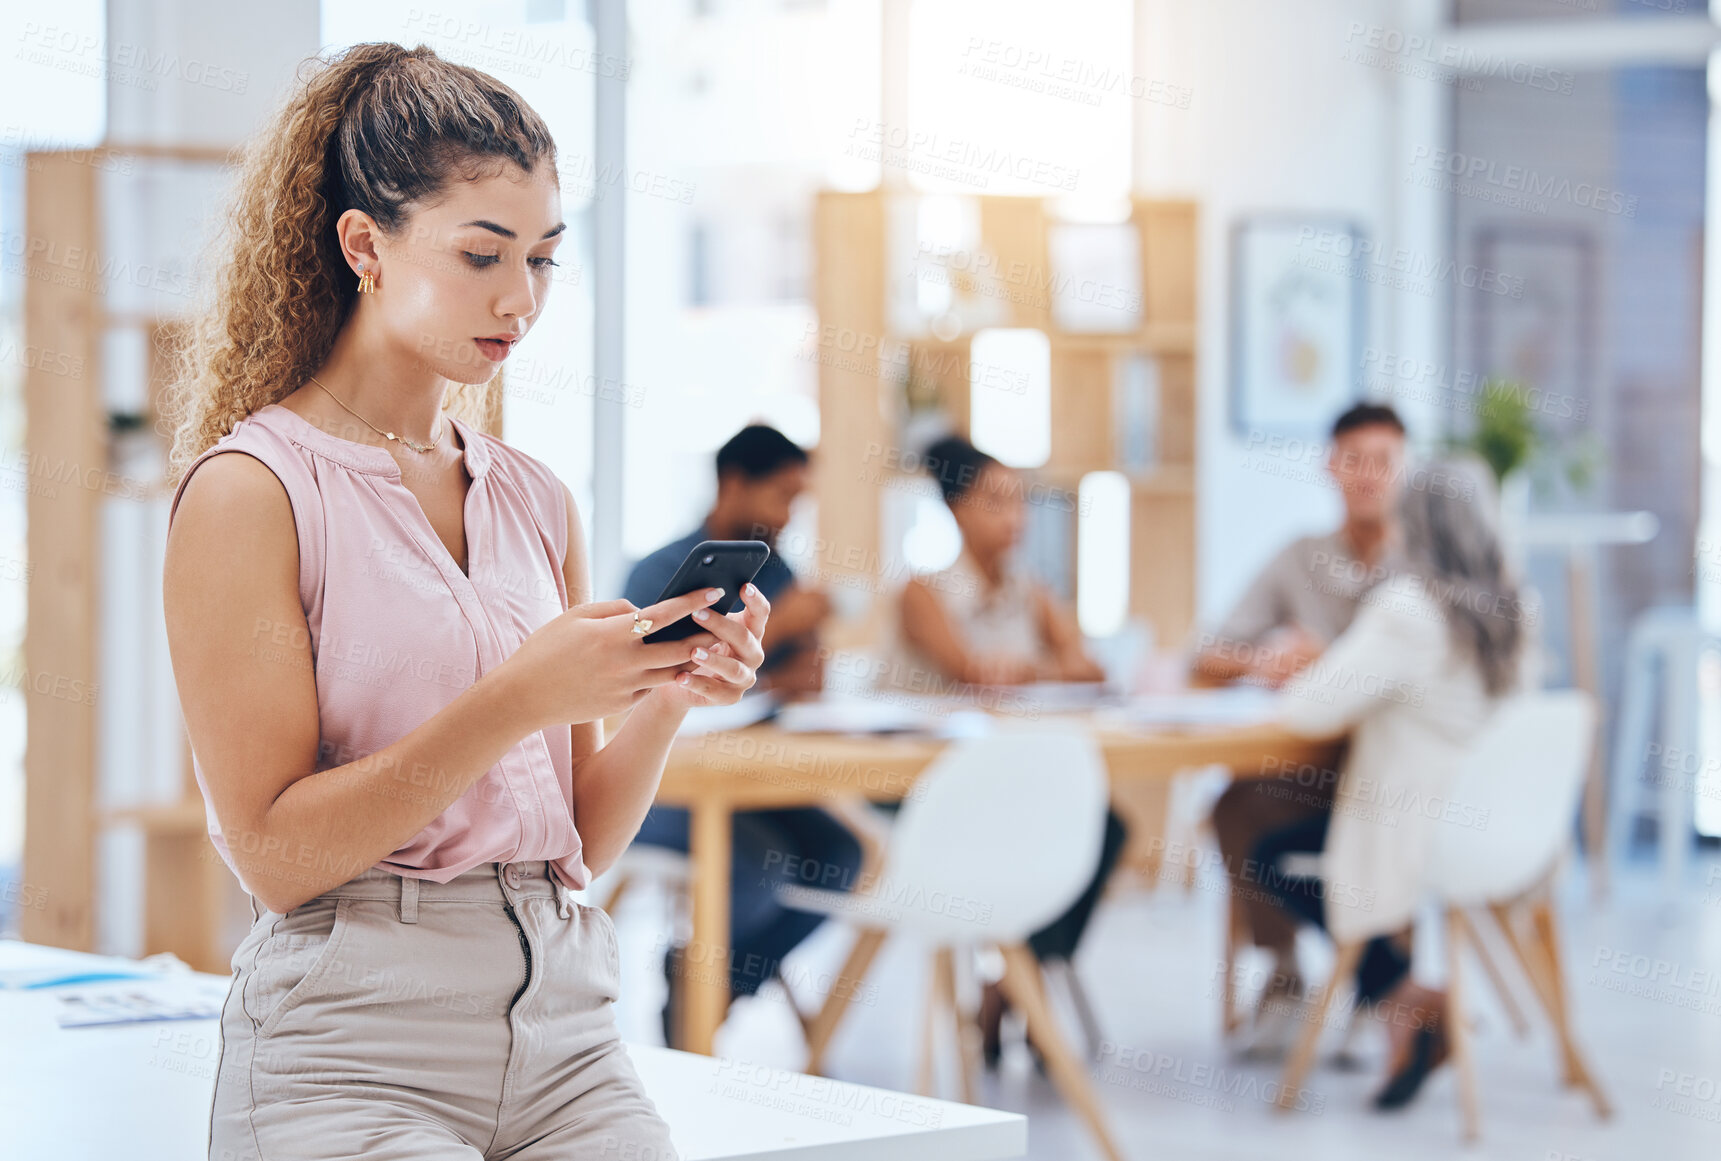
(1413, 680)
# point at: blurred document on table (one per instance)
(711, 719)
(861, 715)
(1241, 705)
(185, 996)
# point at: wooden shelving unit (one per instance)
(862, 359)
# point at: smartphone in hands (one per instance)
(722, 564)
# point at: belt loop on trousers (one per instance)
(408, 900)
(564, 902)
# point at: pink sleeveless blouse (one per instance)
(397, 630)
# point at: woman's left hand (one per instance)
(732, 655)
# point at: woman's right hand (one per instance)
(588, 663)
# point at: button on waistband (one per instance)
(515, 875)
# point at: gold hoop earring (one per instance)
(367, 281)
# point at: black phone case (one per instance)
(737, 562)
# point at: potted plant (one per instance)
(1523, 453)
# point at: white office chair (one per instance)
(1525, 775)
(1002, 836)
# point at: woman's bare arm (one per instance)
(242, 661)
(615, 783)
(608, 810)
(1063, 641)
(926, 626)
(614, 787)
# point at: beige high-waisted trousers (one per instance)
(394, 1018)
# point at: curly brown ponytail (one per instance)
(377, 128)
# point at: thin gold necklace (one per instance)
(413, 444)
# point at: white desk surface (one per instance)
(142, 1092)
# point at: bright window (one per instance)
(1102, 553)
(1013, 427)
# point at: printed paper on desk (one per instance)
(145, 1001)
(710, 719)
(857, 715)
(1240, 705)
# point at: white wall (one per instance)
(1279, 119)
(733, 118)
(200, 72)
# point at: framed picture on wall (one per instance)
(1298, 311)
(1542, 336)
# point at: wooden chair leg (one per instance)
(928, 1030)
(870, 830)
(1023, 986)
(1539, 962)
(1303, 1055)
(1234, 924)
(1457, 1028)
(1542, 923)
(1577, 1069)
(1535, 969)
(968, 1027)
(1345, 1057)
(1084, 1008)
(1508, 1001)
(823, 1025)
(944, 968)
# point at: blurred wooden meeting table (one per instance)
(763, 767)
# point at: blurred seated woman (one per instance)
(985, 621)
(1431, 652)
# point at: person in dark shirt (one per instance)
(759, 474)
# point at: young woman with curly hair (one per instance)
(391, 672)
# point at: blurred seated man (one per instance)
(1303, 600)
(985, 621)
(759, 474)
